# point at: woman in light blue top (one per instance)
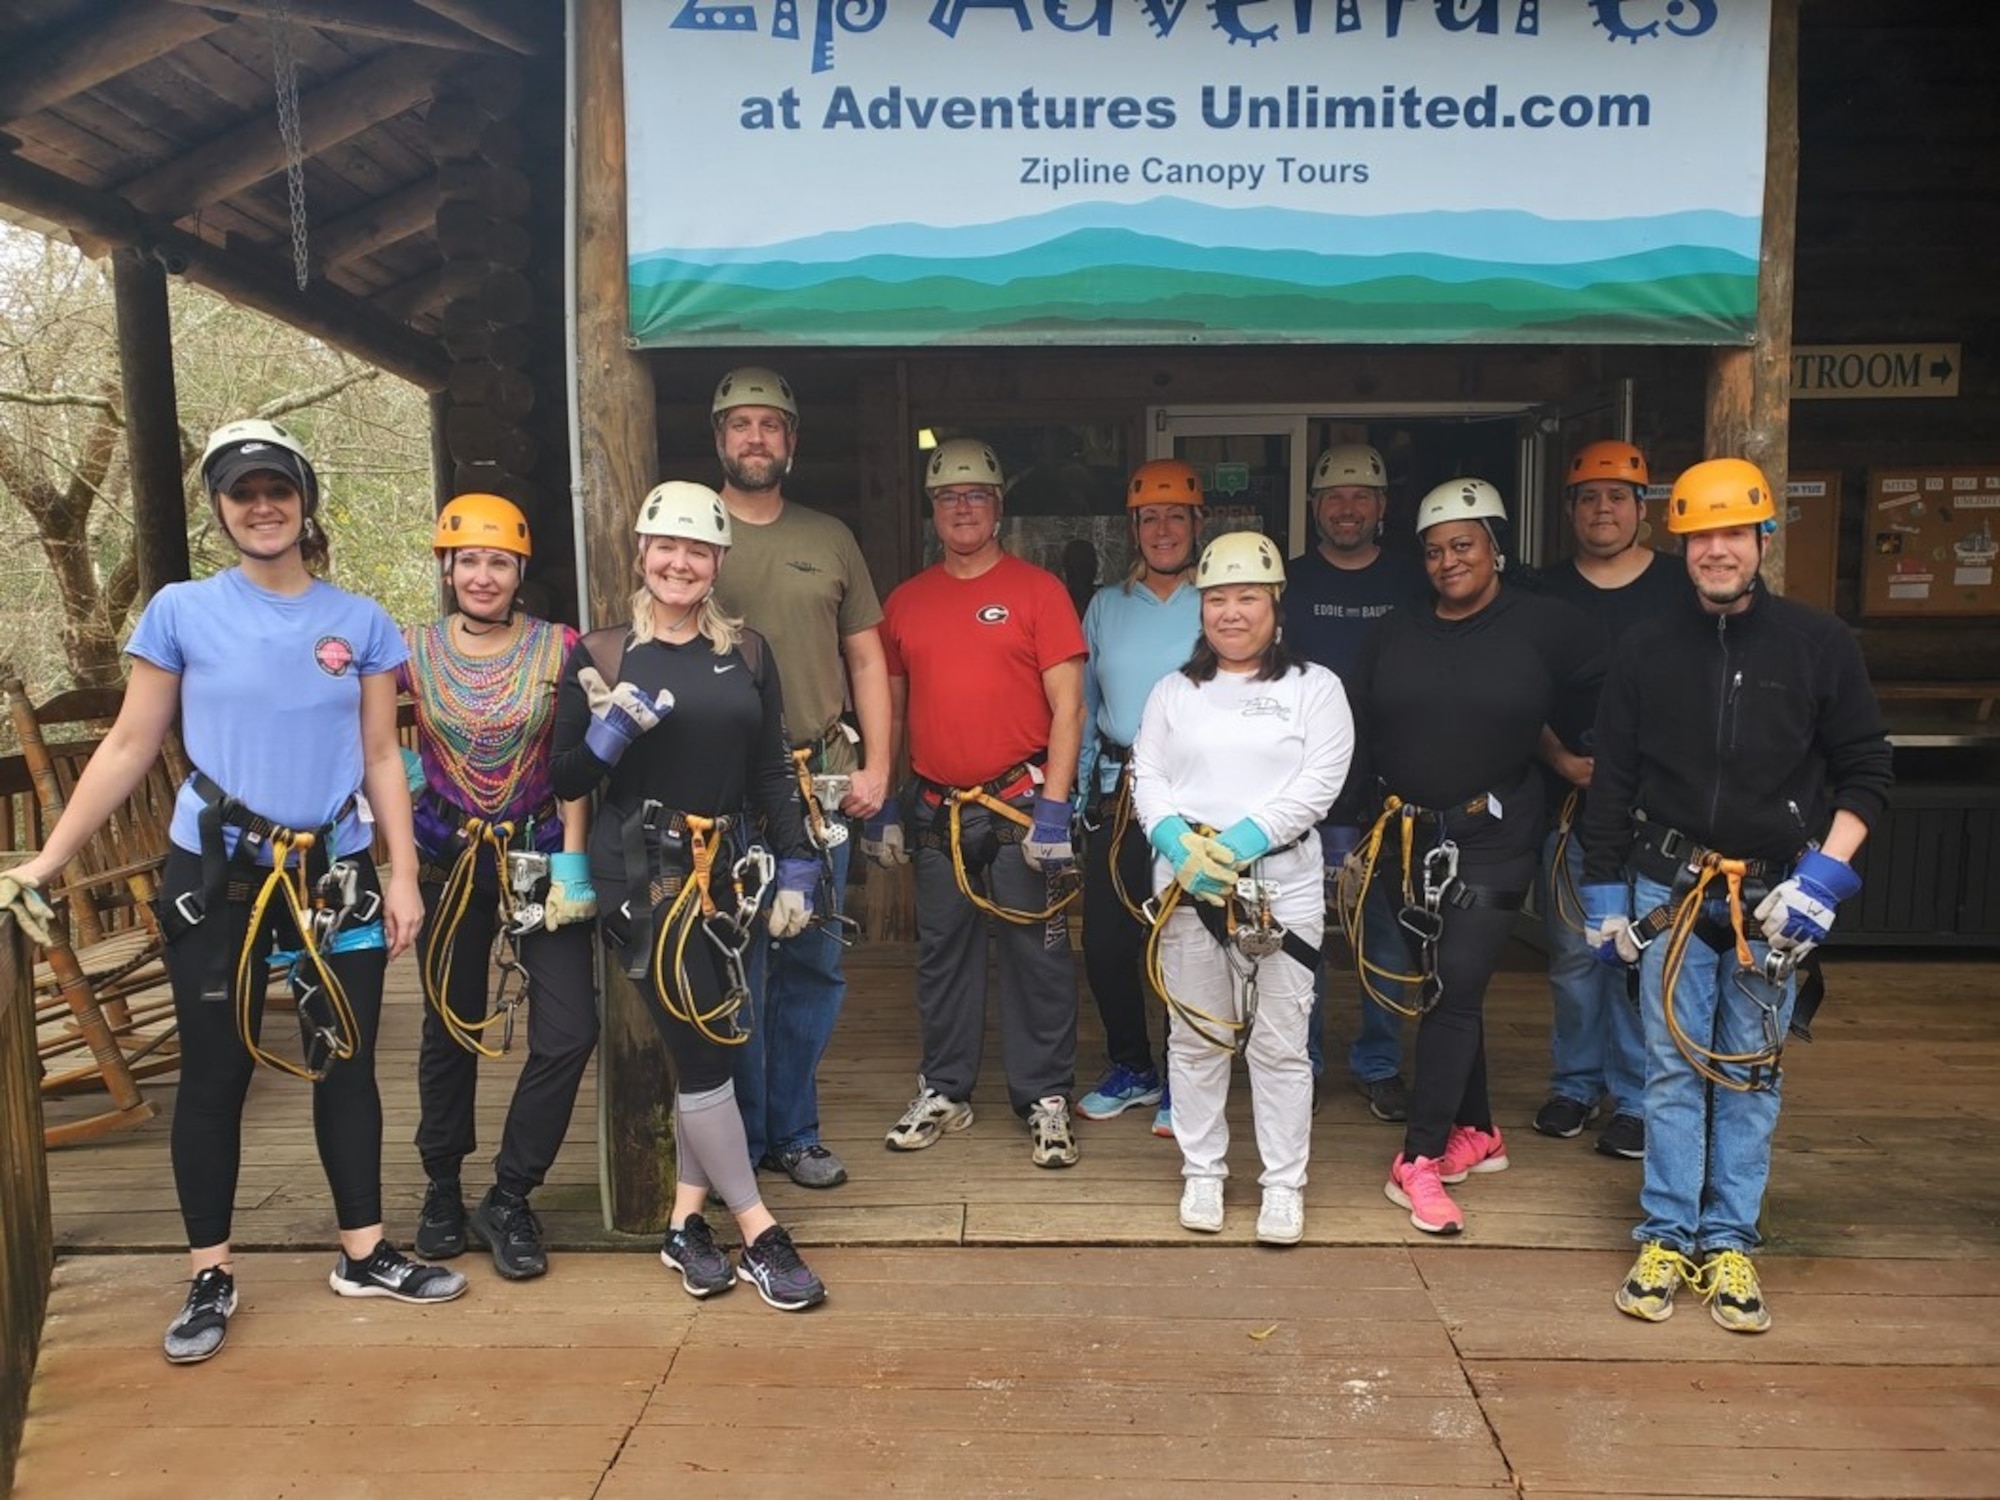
(1138, 631)
(285, 688)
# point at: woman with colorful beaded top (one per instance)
(491, 831)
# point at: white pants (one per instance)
(1199, 974)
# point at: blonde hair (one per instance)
(722, 628)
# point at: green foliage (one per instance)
(64, 477)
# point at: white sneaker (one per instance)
(929, 1116)
(1049, 1129)
(1201, 1205)
(1282, 1219)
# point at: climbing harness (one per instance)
(523, 881)
(1120, 821)
(1008, 824)
(329, 910)
(1431, 883)
(1247, 930)
(1565, 902)
(673, 859)
(819, 791)
(1682, 917)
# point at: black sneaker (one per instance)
(703, 1264)
(504, 1224)
(1564, 1118)
(203, 1324)
(1388, 1098)
(772, 1265)
(809, 1164)
(441, 1224)
(1625, 1136)
(387, 1272)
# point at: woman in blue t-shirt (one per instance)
(285, 687)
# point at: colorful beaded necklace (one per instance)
(485, 717)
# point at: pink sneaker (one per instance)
(1415, 1185)
(1470, 1150)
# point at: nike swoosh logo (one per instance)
(728, 667)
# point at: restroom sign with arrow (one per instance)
(1837, 372)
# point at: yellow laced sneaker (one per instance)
(1656, 1275)
(1727, 1281)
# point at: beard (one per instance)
(755, 472)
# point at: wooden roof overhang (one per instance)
(153, 125)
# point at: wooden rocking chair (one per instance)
(104, 1013)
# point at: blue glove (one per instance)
(618, 715)
(1607, 924)
(882, 836)
(1047, 846)
(792, 907)
(413, 772)
(572, 898)
(1244, 840)
(1202, 867)
(1336, 842)
(1798, 915)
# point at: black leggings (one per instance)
(1449, 1087)
(216, 1068)
(562, 1033)
(1114, 941)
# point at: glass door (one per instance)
(1256, 462)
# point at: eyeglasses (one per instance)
(972, 499)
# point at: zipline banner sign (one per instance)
(1188, 172)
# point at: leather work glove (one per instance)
(413, 772)
(1245, 841)
(1607, 925)
(20, 894)
(1798, 914)
(572, 898)
(882, 837)
(1047, 847)
(618, 715)
(792, 907)
(1202, 866)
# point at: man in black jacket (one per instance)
(1740, 761)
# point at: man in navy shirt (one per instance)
(1335, 592)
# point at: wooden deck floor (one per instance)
(995, 1330)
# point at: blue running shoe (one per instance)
(1163, 1122)
(1119, 1090)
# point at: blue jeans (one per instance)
(1595, 1045)
(796, 989)
(1708, 1151)
(1378, 1047)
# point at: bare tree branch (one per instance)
(65, 398)
(313, 395)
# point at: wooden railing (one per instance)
(27, 1250)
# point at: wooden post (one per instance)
(152, 419)
(620, 445)
(1749, 390)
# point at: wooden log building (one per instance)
(451, 231)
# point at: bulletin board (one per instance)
(1928, 543)
(1812, 537)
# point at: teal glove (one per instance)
(1245, 841)
(413, 772)
(571, 896)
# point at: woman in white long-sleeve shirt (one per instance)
(1255, 745)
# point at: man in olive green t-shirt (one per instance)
(797, 576)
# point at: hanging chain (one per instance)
(285, 70)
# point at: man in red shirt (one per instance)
(986, 674)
